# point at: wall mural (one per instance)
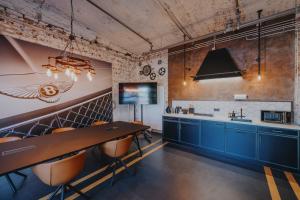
(25, 83)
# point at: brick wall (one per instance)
(278, 66)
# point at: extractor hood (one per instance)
(217, 64)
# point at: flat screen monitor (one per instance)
(138, 93)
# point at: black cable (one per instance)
(184, 59)
(72, 17)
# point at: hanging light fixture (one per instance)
(67, 62)
(184, 82)
(259, 45)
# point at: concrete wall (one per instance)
(278, 66)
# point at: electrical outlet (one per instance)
(216, 109)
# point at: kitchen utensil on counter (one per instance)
(185, 111)
(191, 110)
(177, 109)
(168, 110)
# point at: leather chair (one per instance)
(98, 123)
(117, 149)
(9, 180)
(62, 130)
(60, 173)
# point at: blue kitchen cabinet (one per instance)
(190, 132)
(213, 135)
(279, 147)
(171, 129)
(241, 140)
(237, 142)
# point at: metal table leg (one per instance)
(138, 145)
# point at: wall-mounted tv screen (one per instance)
(138, 93)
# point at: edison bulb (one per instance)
(72, 75)
(75, 78)
(184, 83)
(55, 76)
(49, 73)
(259, 77)
(89, 76)
(67, 72)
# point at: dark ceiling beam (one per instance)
(122, 23)
(174, 19)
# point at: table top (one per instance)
(31, 151)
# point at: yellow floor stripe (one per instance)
(271, 183)
(103, 168)
(293, 183)
(105, 178)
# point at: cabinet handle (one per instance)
(239, 131)
(218, 124)
(276, 131)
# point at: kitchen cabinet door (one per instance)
(280, 150)
(171, 130)
(241, 143)
(213, 135)
(190, 133)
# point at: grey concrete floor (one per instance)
(165, 173)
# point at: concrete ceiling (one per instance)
(147, 17)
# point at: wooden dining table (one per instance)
(27, 152)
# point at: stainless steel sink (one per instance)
(203, 114)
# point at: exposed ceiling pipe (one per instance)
(244, 25)
(174, 19)
(122, 23)
(252, 34)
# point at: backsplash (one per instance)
(250, 108)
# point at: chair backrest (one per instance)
(62, 130)
(117, 148)
(9, 139)
(98, 123)
(61, 171)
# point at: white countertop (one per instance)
(255, 123)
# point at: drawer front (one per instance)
(171, 130)
(213, 135)
(280, 131)
(190, 133)
(241, 143)
(171, 118)
(278, 150)
(243, 127)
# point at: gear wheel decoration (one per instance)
(152, 76)
(147, 70)
(162, 71)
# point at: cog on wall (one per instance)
(162, 71)
(147, 70)
(48, 92)
(152, 76)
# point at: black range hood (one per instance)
(218, 64)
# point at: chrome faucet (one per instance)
(234, 114)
